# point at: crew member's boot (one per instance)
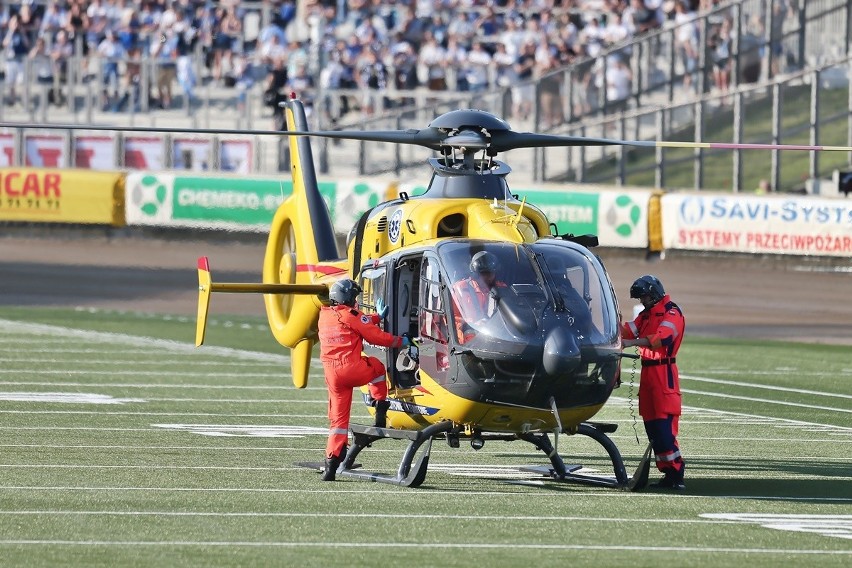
(382, 413)
(331, 465)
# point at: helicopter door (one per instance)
(403, 319)
(374, 286)
(432, 322)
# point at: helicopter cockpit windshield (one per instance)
(506, 294)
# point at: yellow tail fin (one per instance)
(204, 288)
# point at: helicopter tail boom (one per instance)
(206, 286)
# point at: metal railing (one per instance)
(666, 94)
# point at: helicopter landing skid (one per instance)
(598, 432)
(410, 473)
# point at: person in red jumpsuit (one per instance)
(658, 331)
(342, 332)
(473, 298)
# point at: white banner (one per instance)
(94, 152)
(144, 153)
(7, 150)
(772, 224)
(236, 156)
(191, 154)
(45, 151)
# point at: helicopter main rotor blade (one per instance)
(431, 138)
(502, 141)
(427, 137)
(508, 140)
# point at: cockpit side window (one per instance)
(433, 316)
(577, 287)
(372, 282)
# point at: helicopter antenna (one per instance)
(517, 217)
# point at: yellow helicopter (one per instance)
(545, 361)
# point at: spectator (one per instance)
(164, 53)
(457, 62)
(53, 19)
(41, 63)
(619, 82)
(112, 53)
(132, 81)
(434, 59)
(186, 38)
(686, 40)
(720, 45)
(243, 77)
(523, 94)
(226, 40)
(16, 46)
(549, 90)
(478, 67)
(76, 25)
(273, 94)
(371, 76)
(60, 52)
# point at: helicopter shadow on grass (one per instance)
(816, 481)
(779, 479)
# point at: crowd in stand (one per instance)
(372, 45)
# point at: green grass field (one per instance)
(124, 445)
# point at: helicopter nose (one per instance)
(561, 354)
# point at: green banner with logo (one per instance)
(573, 212)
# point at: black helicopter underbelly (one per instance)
(521, 379)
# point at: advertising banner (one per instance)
(45, 151)
(618, 217)
(772, 224)
(236, 156)
(61, 196)
(7, 150)
(191, 154)
(166, 199)
(94, 152)
(144, 152)
(236, 203)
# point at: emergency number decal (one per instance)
(395, 226)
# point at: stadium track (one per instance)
(791, 298)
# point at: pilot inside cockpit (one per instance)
(476, 295)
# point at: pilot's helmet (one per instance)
(484, 261)
(648, 285)
(344, 292)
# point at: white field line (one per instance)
(332, 515)
(125, 362)
(152, 385)
(462, 470)
(707, 519)
(131, 413)
(766, 401)
(427, 546)
(438, 450)
(18, 328)
(370, 489)
(766, 387)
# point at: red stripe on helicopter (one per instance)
(327, 270)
